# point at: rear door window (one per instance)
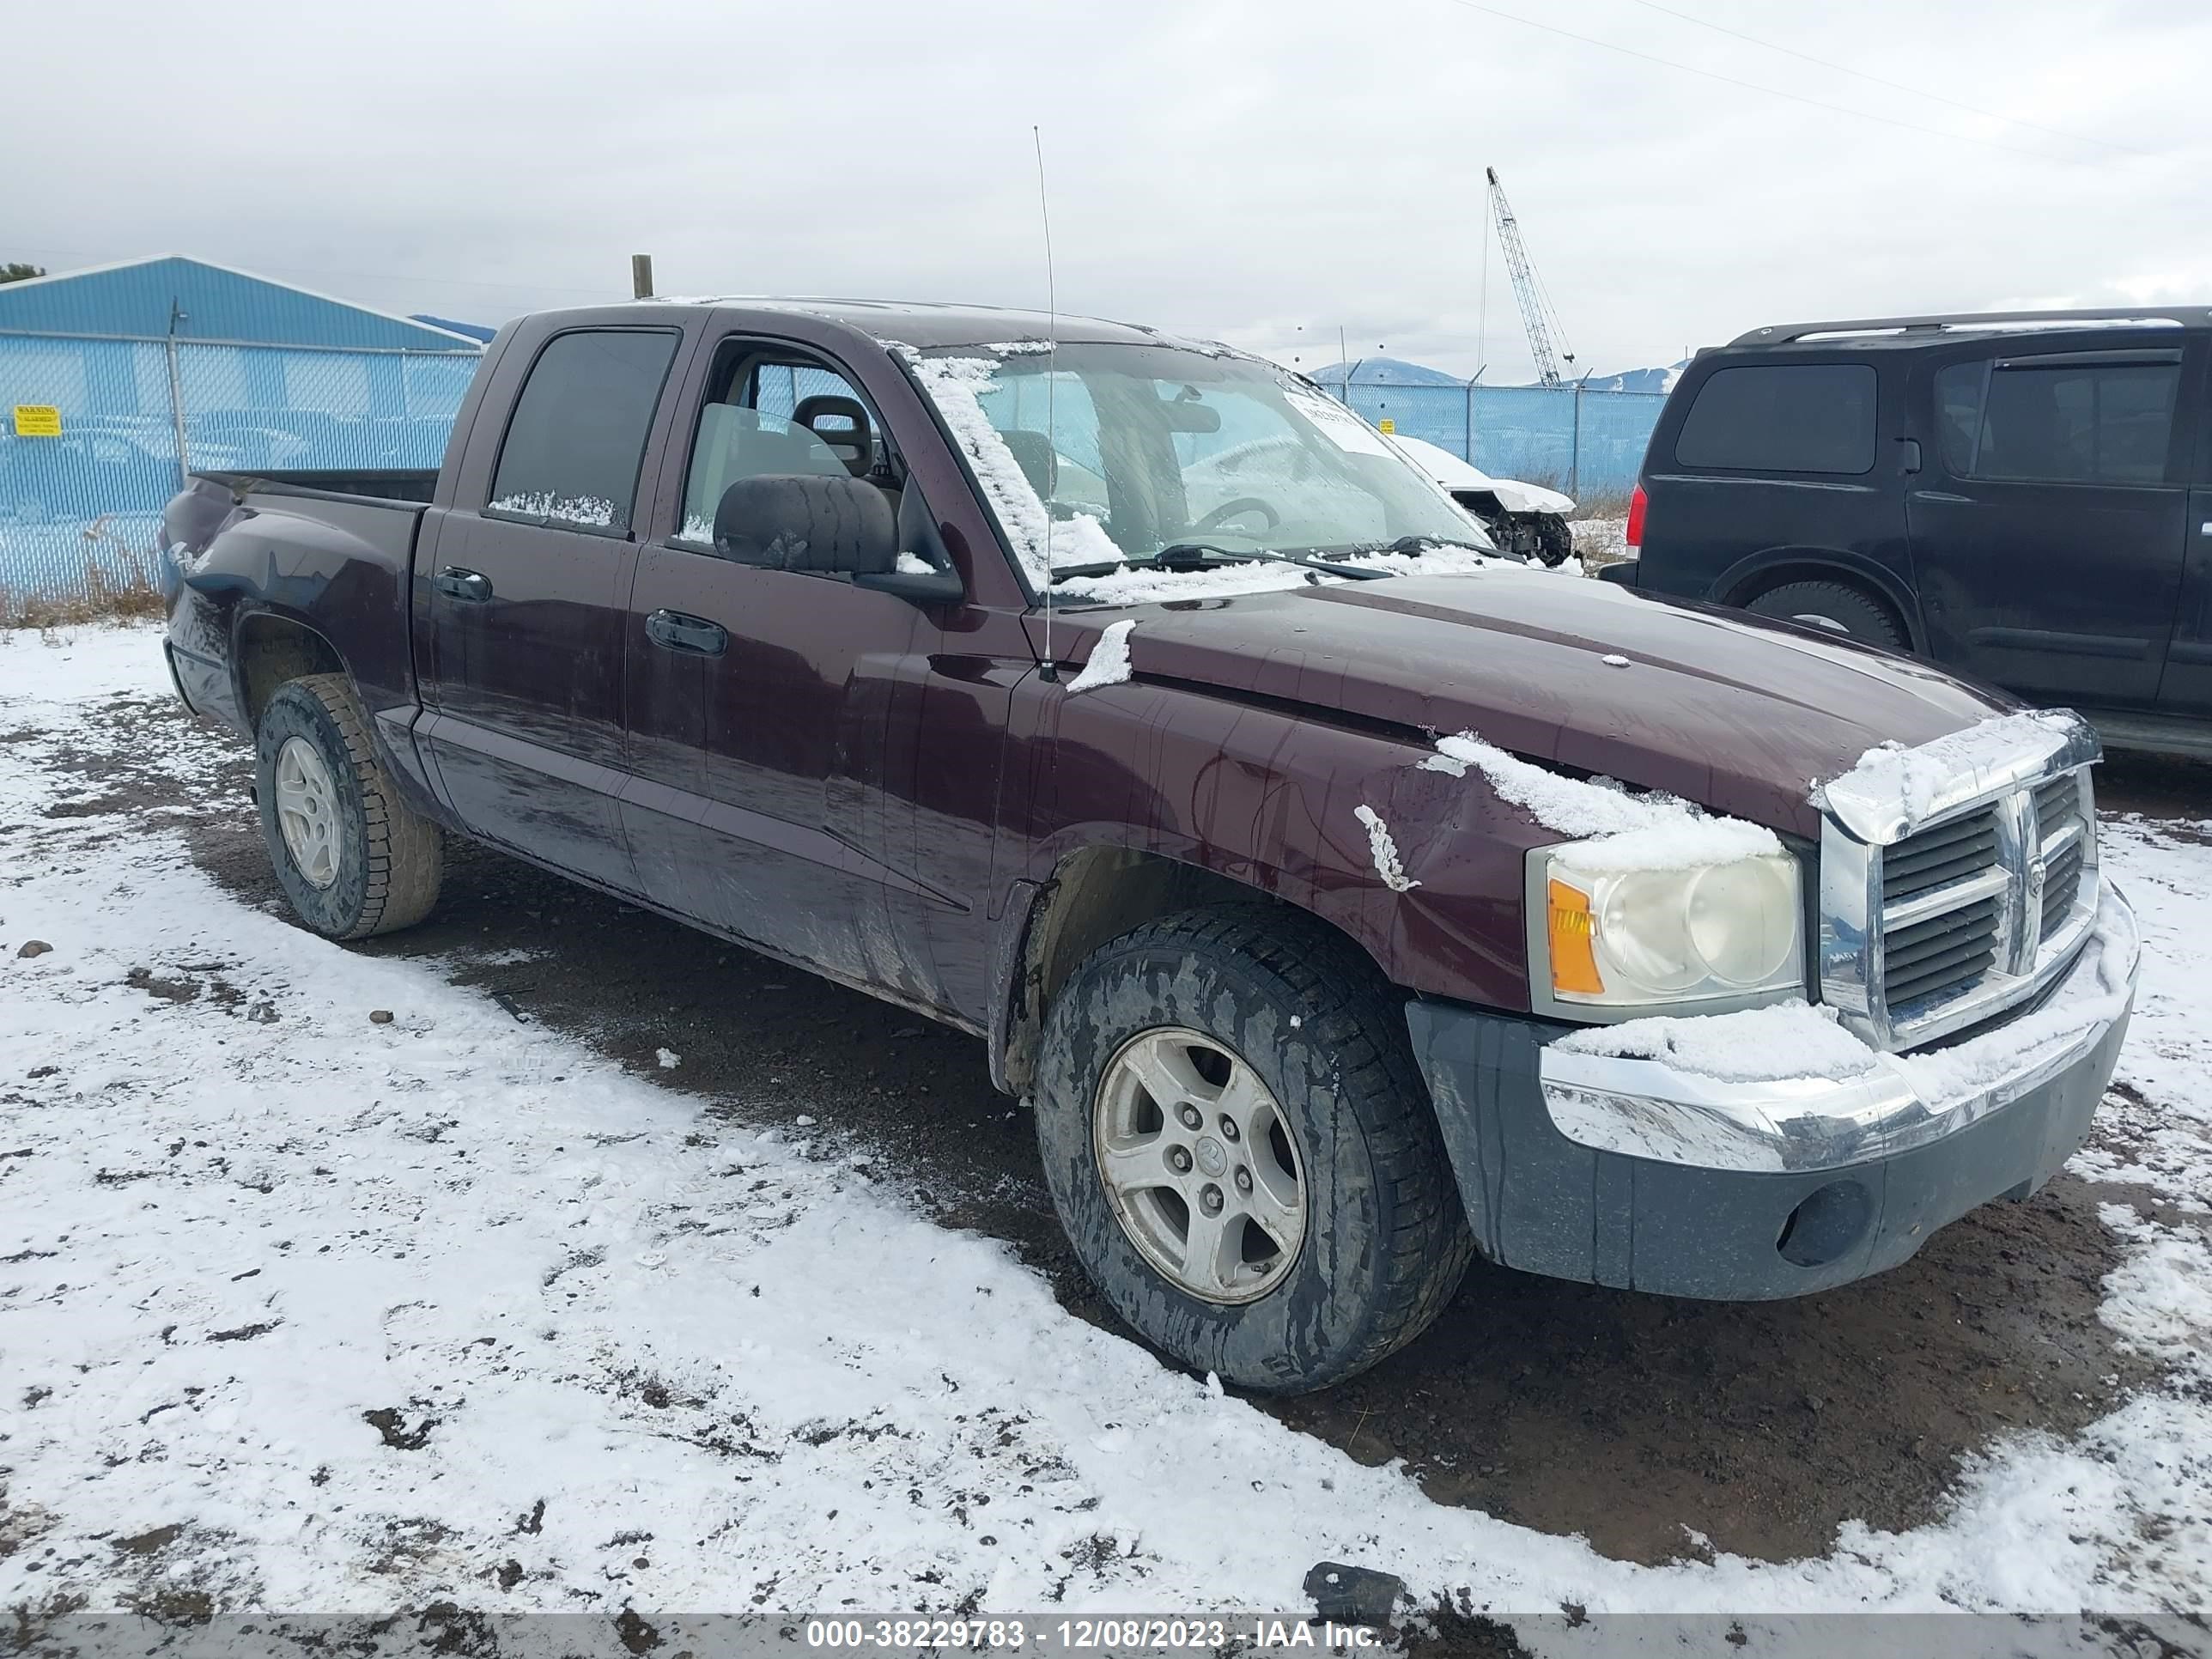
(577, 438)
(1782, 418)
(2058, 420)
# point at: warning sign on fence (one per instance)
(38, 421)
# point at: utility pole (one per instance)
(641, 276)
(177, 398)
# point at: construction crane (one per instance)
(1538, 315)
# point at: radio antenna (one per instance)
(1050, 670)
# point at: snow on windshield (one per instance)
(1041, 543)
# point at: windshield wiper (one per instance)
(1197, 555)
(1416, 545)
(1192, 556)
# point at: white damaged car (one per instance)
(1521, 518)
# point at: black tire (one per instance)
(1555, 542)
(388, 860)
(1386, 1241)
(1834, 608)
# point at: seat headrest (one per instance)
(847, 436)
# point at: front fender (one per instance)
(1268, 795)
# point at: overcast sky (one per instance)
(1245, 170)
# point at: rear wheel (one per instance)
(1834, 608)
(1241, 1151)
(351, 858)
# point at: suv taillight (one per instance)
(1634, 535)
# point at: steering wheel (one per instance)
(1242, 504)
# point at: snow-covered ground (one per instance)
(1600, 542)
(305, 1308)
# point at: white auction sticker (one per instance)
(1338, 424)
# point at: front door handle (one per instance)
(675, 631)
(471, 587)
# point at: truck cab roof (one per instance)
(923, 325)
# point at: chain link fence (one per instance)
(1587, 442)
(96, 435)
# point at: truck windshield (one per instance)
(1099, 456)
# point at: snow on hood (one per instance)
(1712, 706)
(1453, 473)
(1622, 831)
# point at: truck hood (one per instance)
(1736, 714)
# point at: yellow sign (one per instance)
(1385, 424)
(38, 421)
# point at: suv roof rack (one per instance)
(1940, 322)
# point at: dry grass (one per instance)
(118, 585)
(1602, 504)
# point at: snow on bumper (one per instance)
(1870, 1105)
(1698, 1176)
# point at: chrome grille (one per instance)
(1957, 919)
(1935, 858)
(1940, 912)
(2060, 839)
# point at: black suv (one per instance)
(2022, 497)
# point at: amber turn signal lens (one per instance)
(1574, 960)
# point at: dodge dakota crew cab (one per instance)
(1348, 898)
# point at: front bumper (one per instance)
(1635, 1173)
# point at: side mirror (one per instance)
(919, 586)
(819, 524)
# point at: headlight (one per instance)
(1645, 941)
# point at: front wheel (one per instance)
(1242, 1152)
(352, 857)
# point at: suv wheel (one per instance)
(1242, 1152)
(350, 855)
(1833, 607)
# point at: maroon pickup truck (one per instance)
(1347, 897)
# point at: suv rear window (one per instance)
(1782, 418)
(2058, 421)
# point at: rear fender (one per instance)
(1759, 573)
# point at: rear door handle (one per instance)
(471, 586)
(675, 631)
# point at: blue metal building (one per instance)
(117, 381)
(210, 302)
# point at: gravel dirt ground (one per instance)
(1660, 1430)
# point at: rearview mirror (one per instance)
(1183, 415)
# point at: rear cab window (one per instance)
(2065, 417)
(1782, 418)
(576, 440)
